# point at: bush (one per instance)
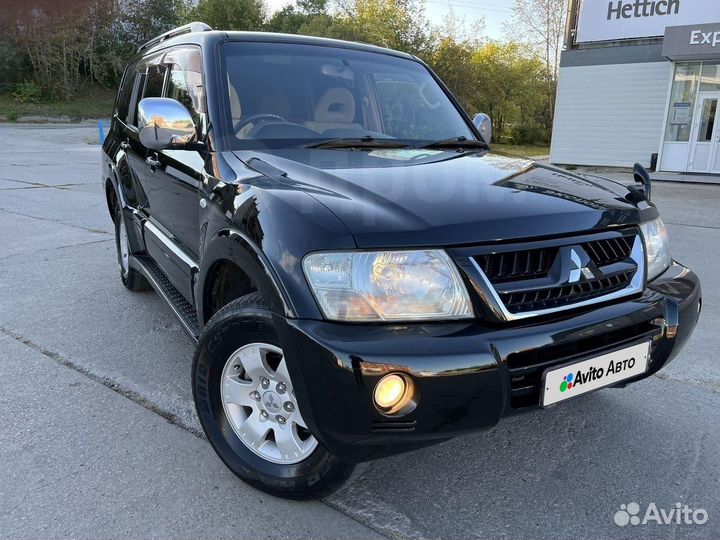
(527, 133)
(27, 92)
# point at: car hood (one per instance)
(392, 198)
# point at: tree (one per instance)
(510, 82)
(451, 57)
(145, 19)
(59, 39)
(231, 14)
(12, 66)
(292, 19)
(451, 60)
(543, 22)
(397, 24)
(313, 8)
(288, 20)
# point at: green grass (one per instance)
(93, 103)
(521, 150)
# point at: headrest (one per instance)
(336, 105)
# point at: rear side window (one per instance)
(139, 85)
(150, 83)
(125, 94)
(155, 81)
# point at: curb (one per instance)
(47, 119)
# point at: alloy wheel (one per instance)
(260, 405)
(124, 248)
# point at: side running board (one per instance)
(179, 304)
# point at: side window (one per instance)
(178, 89)
(150, 82)
(137, 96)
(155, 81)
(185, 81)
(125, 94)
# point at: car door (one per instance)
(180, 171)
(132, 193)
(171, 178)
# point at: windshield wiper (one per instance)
(357, 142)
(460, 142)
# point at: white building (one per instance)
(640, 81)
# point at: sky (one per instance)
(495, 12)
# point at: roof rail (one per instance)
(184, 29)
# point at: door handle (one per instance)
(152, 161)
(124, 145)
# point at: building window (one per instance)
(710, 78)
(682, 102)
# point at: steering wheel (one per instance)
(253, 119)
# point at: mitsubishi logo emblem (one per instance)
(577, 269)
(271, 401)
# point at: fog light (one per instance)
(394, 394)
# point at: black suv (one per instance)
(361, 275)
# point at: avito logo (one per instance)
(566, 383)
(681, 514)
(593, 373)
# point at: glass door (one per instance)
(704, 155)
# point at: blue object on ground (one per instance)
(102, 131)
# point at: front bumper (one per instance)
(468, 375)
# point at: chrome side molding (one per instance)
(171, 246)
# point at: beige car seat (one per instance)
(334, 110)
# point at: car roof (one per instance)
(212, 36)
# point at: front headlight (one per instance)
(387, 285)
(657, 247)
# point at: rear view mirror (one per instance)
(164, 124)
(484, 126)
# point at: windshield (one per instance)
(283, 95)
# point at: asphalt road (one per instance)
(98, 437)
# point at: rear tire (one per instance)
(131, 278)
(254, 423)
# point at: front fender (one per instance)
(233, 245)
(266, 226)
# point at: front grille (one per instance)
(521, 302)
(535, 278)
(517, 265)
(609, 251)
(526, 368)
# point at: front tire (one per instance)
(245, 401)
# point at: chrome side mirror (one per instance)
(484, 126)
(164, 124)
